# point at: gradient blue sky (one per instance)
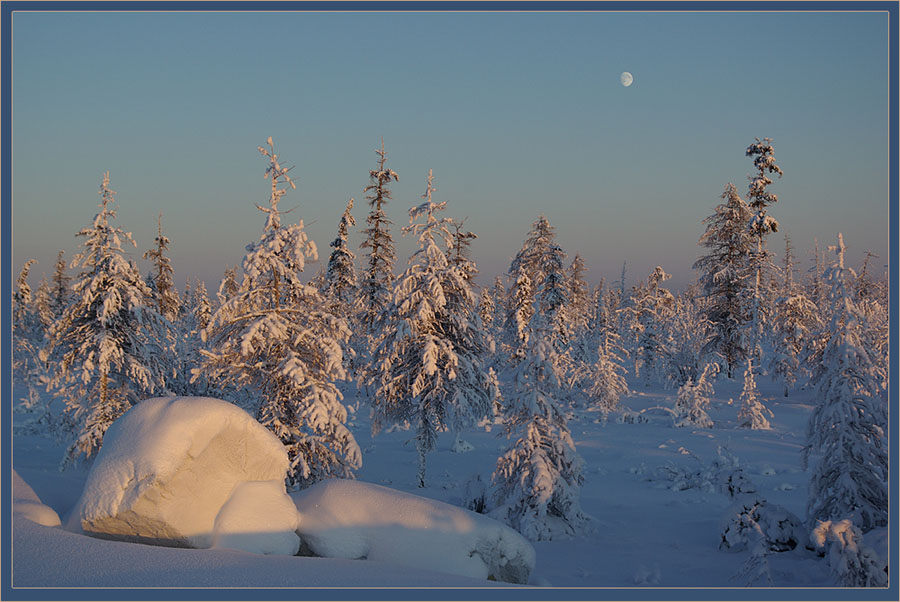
(518, 114)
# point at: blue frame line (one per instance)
(6, 280)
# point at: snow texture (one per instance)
(168, 465)
(27, 504)
(349, 519)
(259, 517)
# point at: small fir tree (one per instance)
(752, 414)
(537, 480)
(693, 400)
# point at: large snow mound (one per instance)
(26, 503)
(349, 519)
(259, 517)
(169, 464)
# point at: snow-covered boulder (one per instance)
(259, 517)
(168, 465)
(349, 519)
(27, 504)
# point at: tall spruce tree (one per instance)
(430, 373)
(377, 282)
(723, 276)
(276, 336)
(107, 360)
(846, 435)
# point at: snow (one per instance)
(259, 517)
(169, 464)
(27, 504)
(349, 519)
(648, 535)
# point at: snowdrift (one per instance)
(169, 465)
(354, 520)
(27, 504)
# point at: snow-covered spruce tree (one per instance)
(27, 328)
(608, 372)
(723, 276)
(687, 332)
(276, 337)
(62, 291)
(229, 286)
(752, 413)
(460, 253)
(427, 363)
(537, 480)
(526, 276)
(107, 360)
(759, 261)
(845, 435)
(693, 400)
(167, 299)
(652, 306)
(28, 339)
(795, 318)
(520, 309)
(340, 277)
(377, 282)
(577, 309)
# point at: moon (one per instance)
(626, 78)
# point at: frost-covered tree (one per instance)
(846, 432)
(460, 254)
(752, 413)
(608, 374)
(276, 337)
(794, 319)
(577, 309)
(62, 291)
(107, 358)
(428, 365)
(723, 276)
(377, 282)
(340, 278)
(229, 286)
(687, 333)
(651, 307)
(537, 480)
(693, 400)
(760, 226)
(167, 300)
(520, 309)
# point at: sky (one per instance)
(518, 114)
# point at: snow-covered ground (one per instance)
(658, 514)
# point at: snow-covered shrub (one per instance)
(780, 529)
(475, 495)
(722, 475)
(852, 563)
(349, 519)
(168, 465)
(259, 517)
(631, 417)
(693, 400)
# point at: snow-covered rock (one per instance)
(350, 519)
(26, 503)
(168, 465)
(259, 517)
